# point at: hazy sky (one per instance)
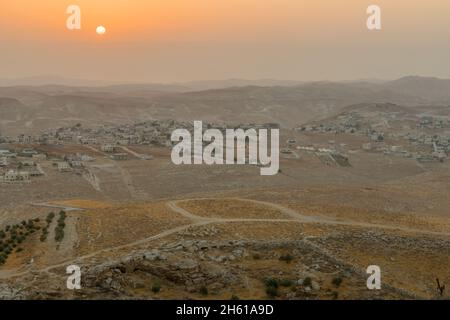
(181, 40)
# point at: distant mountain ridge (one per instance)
(33, 108)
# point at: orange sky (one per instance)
(171, 40)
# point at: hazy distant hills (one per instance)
(56, 81)
(33, 108)
(430, 89)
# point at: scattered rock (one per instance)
(186, 264)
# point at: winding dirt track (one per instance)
(298, 217)
(201, 221)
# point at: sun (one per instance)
(100, 30)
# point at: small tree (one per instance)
(50, 217)
(307, 282)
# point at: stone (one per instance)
(154, 255)
(238, 253)
(315, 286)
(186, 264)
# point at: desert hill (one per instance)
(31, 109)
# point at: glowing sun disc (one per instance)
(100, 30)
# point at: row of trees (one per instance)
(13, 235)
(59, 229)
(48, 221)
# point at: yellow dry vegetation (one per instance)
(397, 219)
(413, 269)
(231, 209)
(123, 224)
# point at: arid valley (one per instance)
(87, 180)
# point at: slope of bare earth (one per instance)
(126, 250)
(314, 227)
(373, 181)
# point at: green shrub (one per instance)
(337, 281)
(59, 234)
(156, 288)
(272, 287)
(204, 290)
(286, 283)
(235, 297)
(287, 258)
(271, 283)
(307, 282)
(272, 291)
(50, 217)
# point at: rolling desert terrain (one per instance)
(364, 180)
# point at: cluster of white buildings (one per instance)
(20, 167)
(14, 176)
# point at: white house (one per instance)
(4, 162)
(64, 166)
(13, 176)
(107, 148)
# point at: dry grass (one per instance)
(231, 209)
(407, 220)
(411, 265)
(114, 226)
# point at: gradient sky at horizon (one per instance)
(183, 40)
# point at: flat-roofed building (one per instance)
(110, 148)
(6, 154)
(27, 163)
(119, 156)
(64, 166)
(28, 152)
(39, 156)
(4, 162)
(13, 176)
